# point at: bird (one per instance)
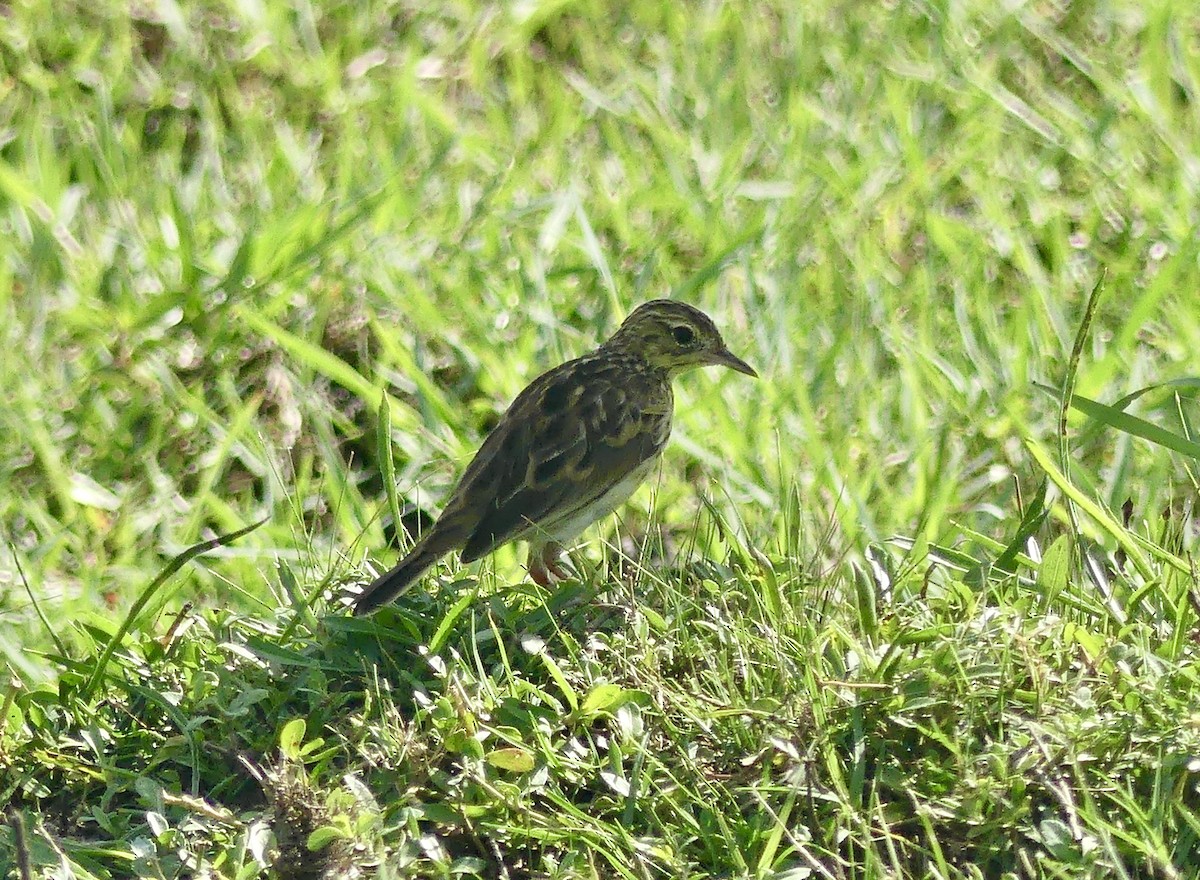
(570, 449)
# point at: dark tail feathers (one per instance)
(389, 586)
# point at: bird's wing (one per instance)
(571, 436)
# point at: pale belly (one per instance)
(570, 527)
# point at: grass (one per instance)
(920, 602)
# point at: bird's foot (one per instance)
(545, 564)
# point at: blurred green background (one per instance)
(228, 227)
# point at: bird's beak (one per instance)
(726, 358)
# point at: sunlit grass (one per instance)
(880, 625)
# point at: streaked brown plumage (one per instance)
(570, 449)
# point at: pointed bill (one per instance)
(726, 358)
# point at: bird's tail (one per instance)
(389, 586)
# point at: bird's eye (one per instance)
(683, 334)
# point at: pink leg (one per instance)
(545, 564)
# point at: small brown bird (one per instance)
(570, 449)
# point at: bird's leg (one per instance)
(545, 561)
(552, 555)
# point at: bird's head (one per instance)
(675, 337)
